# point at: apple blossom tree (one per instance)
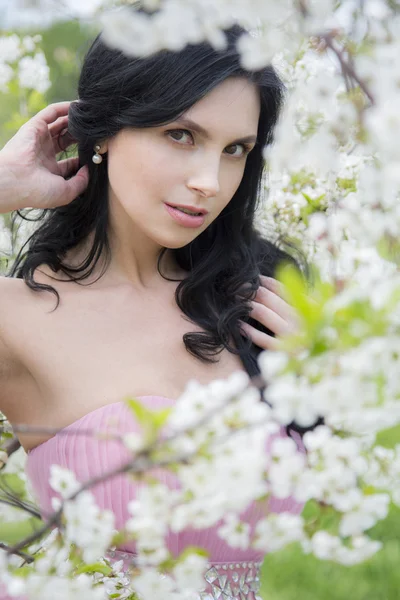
(333, 189)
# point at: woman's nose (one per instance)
(205, 181)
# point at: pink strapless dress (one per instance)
(232, 573)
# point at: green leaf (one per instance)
(389, 437)
(171, 561)
(118, 538)
(318, 516)
(348, 184)
(13, 532)
(295, 286)
(161, 417)
(389, 249)
(150, 420)
(13, 483)
(314, 204)
(142, 414)
(94, 568)
(311, 510)
(24, 571)
(192, 550)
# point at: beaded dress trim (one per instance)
(223, 581)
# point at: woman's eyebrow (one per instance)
(196, 127)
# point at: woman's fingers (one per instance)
(62, 141)
(273, 284)
(267, 297)
(68, 166)
(57, 127)
(75, 186)
(61, 137)
(30, 155)
(259, 338)
(273, 312)
(270, 319)
(52, 112)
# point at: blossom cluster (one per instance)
(21, 58)
(23, 72)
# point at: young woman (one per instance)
(152, 253)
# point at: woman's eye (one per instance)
(179, 132)
(244, 150)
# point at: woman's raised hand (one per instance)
(272, 311)
(30, 175)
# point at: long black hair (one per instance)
(116, 91)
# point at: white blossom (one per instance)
(362, 517)
(328, 547)
(235, 532)
(33, 72)
(87, 526)
(63, 481)
(188, 573)
(6, 74)
(277, 531)
(133, 441)
(151, 585)
(10, 48)
(43, 588)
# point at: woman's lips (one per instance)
(184, 219)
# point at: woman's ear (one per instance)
(103, 147)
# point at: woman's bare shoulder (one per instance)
(18, 302)
(11, 290)
(13, 296)
(12, 370)
(14, 302)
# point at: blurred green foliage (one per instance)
(64, 45)
(291, 575)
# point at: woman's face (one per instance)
(174, 164)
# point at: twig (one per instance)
(33, 430)
(10, 448)
(23, 555)
(140, 464)
(255, 381)
(17, 503)
(347, 69)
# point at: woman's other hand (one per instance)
(272, 311)
(30, 175)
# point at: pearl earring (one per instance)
(97, 158)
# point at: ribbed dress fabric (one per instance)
(74, 447)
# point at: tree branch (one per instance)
(347, 69)
(140, 464)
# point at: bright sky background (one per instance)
(17, 13)
(23, 12)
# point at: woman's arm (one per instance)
(30, 175)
